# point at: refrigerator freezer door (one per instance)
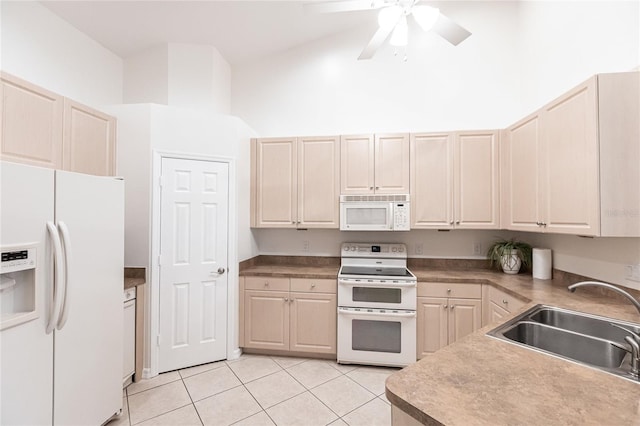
(26, 351)
(88, 347)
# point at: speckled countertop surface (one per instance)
(134, 277)
(483, 381)
(479, 380)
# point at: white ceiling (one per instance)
(241, 30)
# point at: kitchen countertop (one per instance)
(134, 277)
(480, 380)
(484, 381)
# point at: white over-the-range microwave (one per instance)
(374, 212)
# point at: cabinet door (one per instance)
(496, 313)
(570, 144)
(432, 325)
(465, 317)
(313, 322)
(30, 124)
(392, 164)
(356, 164)
(88, 141)
(431, 181)
(476, 180)
(266, 320)
(319, 182)
(520, 175)
(276, 184)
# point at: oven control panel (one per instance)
(373, 250)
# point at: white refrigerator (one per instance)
(62, 241)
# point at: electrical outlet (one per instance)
(477, 248)
(419, 248)
(633, 272)
(305, 245)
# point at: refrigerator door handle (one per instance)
(66, 246)
(56, 300)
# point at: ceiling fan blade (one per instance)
(450, 31)
(376, 41)
(342, 6)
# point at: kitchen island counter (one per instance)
(480, 380)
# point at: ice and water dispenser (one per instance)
(18, 286)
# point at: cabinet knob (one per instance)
(457, 222)
(452, 306)
(286, 299)
(543, 224)
(504, 301)
(448, 290)
(313, 285)
(451, 223)
(444, 306)
(371, 187)
(293, 222)
(377, 187)
(266, 283)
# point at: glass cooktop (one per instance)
(373, 271)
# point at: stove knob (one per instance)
(400, 249)
(354, 248)
(394, 249)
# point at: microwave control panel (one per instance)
(401, 217)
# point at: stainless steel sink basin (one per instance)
(582, 338)
(575, 346)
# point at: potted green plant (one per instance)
(510, 255)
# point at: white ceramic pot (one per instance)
(511, 263)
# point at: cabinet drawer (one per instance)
(312, 285)
(266, 283)
(465, 291)
(504, 300)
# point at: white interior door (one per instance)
(193, 262)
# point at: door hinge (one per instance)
(158, 340)
(159, 260)
(160, 181)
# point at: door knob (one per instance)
(220, 271)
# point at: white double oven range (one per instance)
(376, 305)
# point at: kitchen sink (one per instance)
(579, 337)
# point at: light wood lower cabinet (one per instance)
(297, 314)
(446, 313)
(498, 305)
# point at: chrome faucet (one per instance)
(633, 339)
(633, 300)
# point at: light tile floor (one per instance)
(257, 390)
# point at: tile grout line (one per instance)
(191, 398)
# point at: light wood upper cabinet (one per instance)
(431, 180)
(295, 182)
(455, 180)
(521, 175)
(89, 140)
(476, 180)
(570, 156)
(375, 164)
(572, 166)
(318, 182)
(31, 123)
(357, 164)
(276, 187)
(44, 129)
(392, 164)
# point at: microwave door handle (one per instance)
(378, 314)
(390, 216)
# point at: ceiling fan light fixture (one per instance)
(400, 35)
(388, 16)
(425, 16)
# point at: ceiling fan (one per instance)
(392, 20)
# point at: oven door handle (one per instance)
(363, 284)
(377, 314)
